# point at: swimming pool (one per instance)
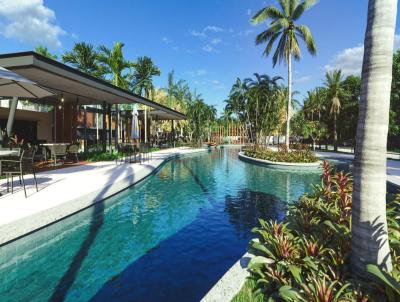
(169, 238)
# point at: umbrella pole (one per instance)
(11, 115)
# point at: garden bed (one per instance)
(306, 257)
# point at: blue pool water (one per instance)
(169, 238)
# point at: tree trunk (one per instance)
(369, 226)
(335, 131)
(289, 104)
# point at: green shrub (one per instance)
(306, 257)
(295, 154)
(103, 156)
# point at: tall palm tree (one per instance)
(142, 76)
(333, 84)
(369, 226)
(85, 58)
(284, 29)
(114, 64)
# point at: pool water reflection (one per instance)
(169, 238)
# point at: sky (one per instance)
(208, 43)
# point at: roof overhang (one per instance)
(160, 115)
(72, 84)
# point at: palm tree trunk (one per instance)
(335, 131)
(289, 104)
(369, 226)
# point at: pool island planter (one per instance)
(280, 165)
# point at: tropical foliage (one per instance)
(295, 154)
(258, 103)
(283, 27)
(306, 256)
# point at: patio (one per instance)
(61, 192)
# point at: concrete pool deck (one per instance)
(66, 191)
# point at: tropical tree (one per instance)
(370, 243)
(260, 91)
(200, 117)
(141, 77)
(84, 57)
(114, 64)
(335, 90)
(42, 50)
(283, 27)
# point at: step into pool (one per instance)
(169, 238)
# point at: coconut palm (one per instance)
(334, 87)
(142, 76)
(283, 27)
(369, 226)
(85, 58)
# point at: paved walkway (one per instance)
(65, 191)
(393, 166)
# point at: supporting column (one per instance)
(116, 125)
(11, 116)
(84, 130)
(145, 124)
(173, 132)
(109, 128)
(104, 130)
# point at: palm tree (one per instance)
(334, 88)
(114, 64)
(369, 226)
(283, 27)
(85, 58)
(42, 50)
(258, 91)
(142, 76)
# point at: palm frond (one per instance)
(305, 33)
(301, 8)
(270, 12)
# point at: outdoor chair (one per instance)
(73, 151)
(21, 167)
(144, 151)
(58, 151)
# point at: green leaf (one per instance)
(296, 273)
(288, 293)
(258, 261)
(259, 247)
(386, 278)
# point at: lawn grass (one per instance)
(248, 293)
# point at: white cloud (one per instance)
(29, 21)
(216, 41)
(209, 48)
(166, 40)
(350, 60)
(213, 28)
(302, 79)
(246, 32)
(196, 73)
(198, 34)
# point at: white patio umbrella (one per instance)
(135, 123)
(15, 86)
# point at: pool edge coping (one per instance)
(85, 201)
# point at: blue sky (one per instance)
(207, 42)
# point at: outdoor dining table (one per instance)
(4, 153)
